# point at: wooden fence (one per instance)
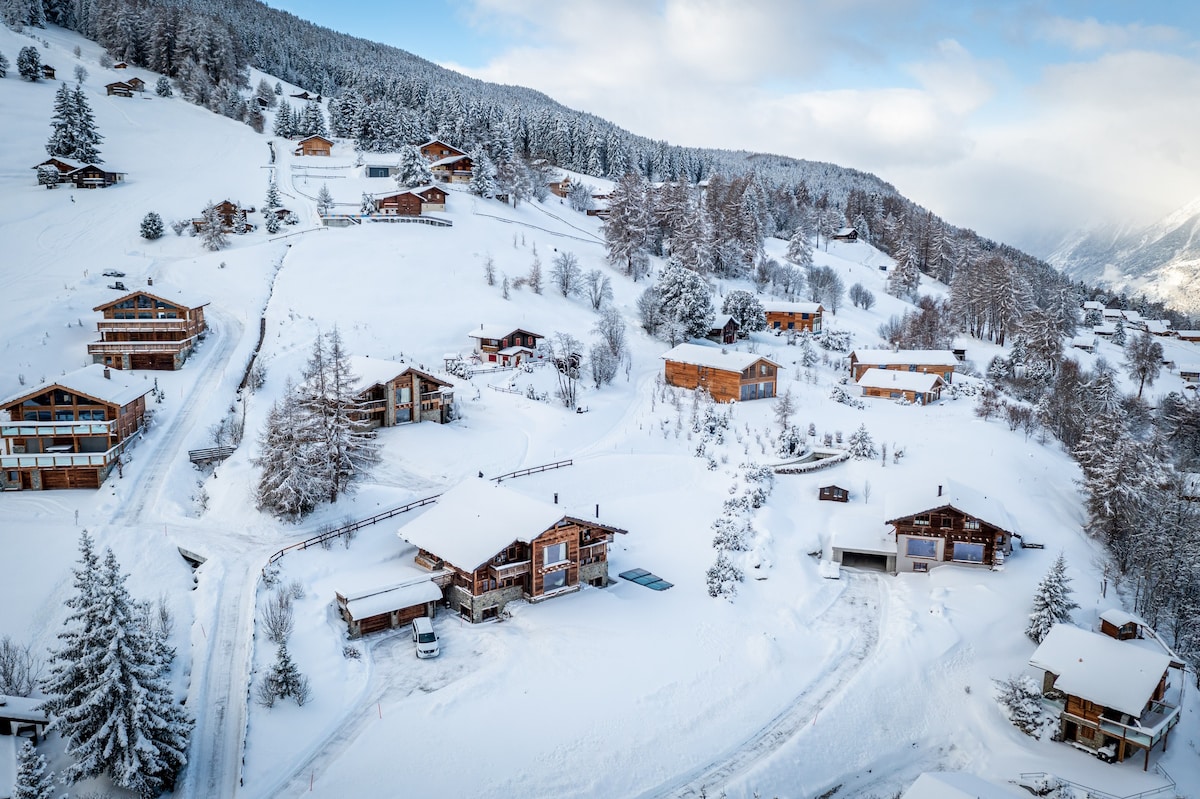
(545, 467)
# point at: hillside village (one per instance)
(715, 565)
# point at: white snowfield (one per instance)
(797, 686)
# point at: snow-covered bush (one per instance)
(841, 394)
(152, 226)
(723, 577)
(791, 442)
(835, 340)
(1021, 703)
(731, 533)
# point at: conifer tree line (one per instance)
(108, 684)
(316, 439)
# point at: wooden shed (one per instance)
(724, 330)
(727, 376)
(833, 493)
(388, 607)
(915, 387)
(314, 145)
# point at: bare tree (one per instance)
(19, 668)
(566, 274)
(278, 619)
(566, 353)
(598, 287)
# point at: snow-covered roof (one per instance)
(515, 350)
(1188, 333)
(476, 519)
(950, 492)
(119, 388)
(450, 159)
(957, 785)
(900, 357)
(499, 331)
(1105, 329)
(374, 371)
(191, 302)
(22, 708)
(1189, 367)
(373, 602)
(1119, 618)
(721, 320)
(715, 357)
(1112, 673)
(315, 136)
(791, 307)
(1159, 326)
(864, 538)
(1083, 341)
(1112, 313)
(845, 231)
(900, 381)
(1093, 305)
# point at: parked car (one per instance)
(424, 638)
(118, 285)
(114, 273)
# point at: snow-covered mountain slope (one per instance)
(1161, 260)
(798, 685)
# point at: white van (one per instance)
(424, 638)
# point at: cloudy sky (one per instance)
(1017, 119)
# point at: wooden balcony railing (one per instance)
(508, 570)
(51, 429)
(49, 460)
(121, 347)
(147, 325)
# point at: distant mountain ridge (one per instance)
(1161, 260)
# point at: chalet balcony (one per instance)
(122, 347)
(49, 460)
(1156, 723)
(147, 325)
(509, 570)
(55, 429)
(592, 550)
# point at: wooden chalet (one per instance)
(47, 72)
(794, 316)
(411, 202)
(1189, 372)
(845, 234)
(1187, 335)
(388, 607)
(396, 393)
(118, 88)
(560, 188)
(21, 715)
(120, 65)
(914, 387)
(228, 212)
(435, 150)
(724, 330)
(1085, 343)
(833, 493)
(1110, 695)
(61, 166)
(306, 96)
(71, 433)
(314, 145)
(955, 525)
(504, 346)
(137, 84)
(938, 362)
(144, 331)
(91, 176)
(728, 376)
(497, 546)
(453, 169)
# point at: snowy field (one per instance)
(797, 686)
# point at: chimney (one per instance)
(555, 497)
(939, 491)
(107, 373)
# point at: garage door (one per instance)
(373, 624)
(152, 360)
(863, 560)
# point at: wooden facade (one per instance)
(724, 330)
(559, 560)
(118, 88)
(435, 150)
(145, 331)
(503, 346)
(47, 72)
(846, 234)
(933, 362)
(70, 434)
(410, 396)
(728, 377)
(137, 84)
(412, 202)
(833, 493)
(560, 188)
(91, 176)
(453, 169)
(946, 534)
(314, 145)
(920, 389)
(795, 316)
(387, 608)
(228, 212)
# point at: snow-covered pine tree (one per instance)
(29, 64)
(33, 781)
(110, 699)
(271, 221)
(366, 206)
(1021, 702)
(904, 278)
(345, 443)
(86, 136)
(684, 298)
(272, 200)
(152, 226)
(1052, 604)
(1119, 335)
(808, 353)
(212, 231)
(311, 121)
(3, 65)
(285, 126)
(862, 446)
(288, 484)
(791, 442)
(413, 168)
(723, 576)
(62, 142)
(799, 250)
(163, 87)
(324, 200)
(285, 680)
(746, 310)
(48, 176)
(483, 175)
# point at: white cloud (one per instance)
(1091, 34)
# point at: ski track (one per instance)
(841, 667)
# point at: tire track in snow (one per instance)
(844, 615)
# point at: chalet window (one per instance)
(947, 521)
(804, 316)
(922, 520)
(555, 553)
(749, 392)
(896, 395)
(970, 524)
(554, 580)
(766, 390)
(791, 325)
(912, 367)
(920, 566)
(921, 548)
(968, 553)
